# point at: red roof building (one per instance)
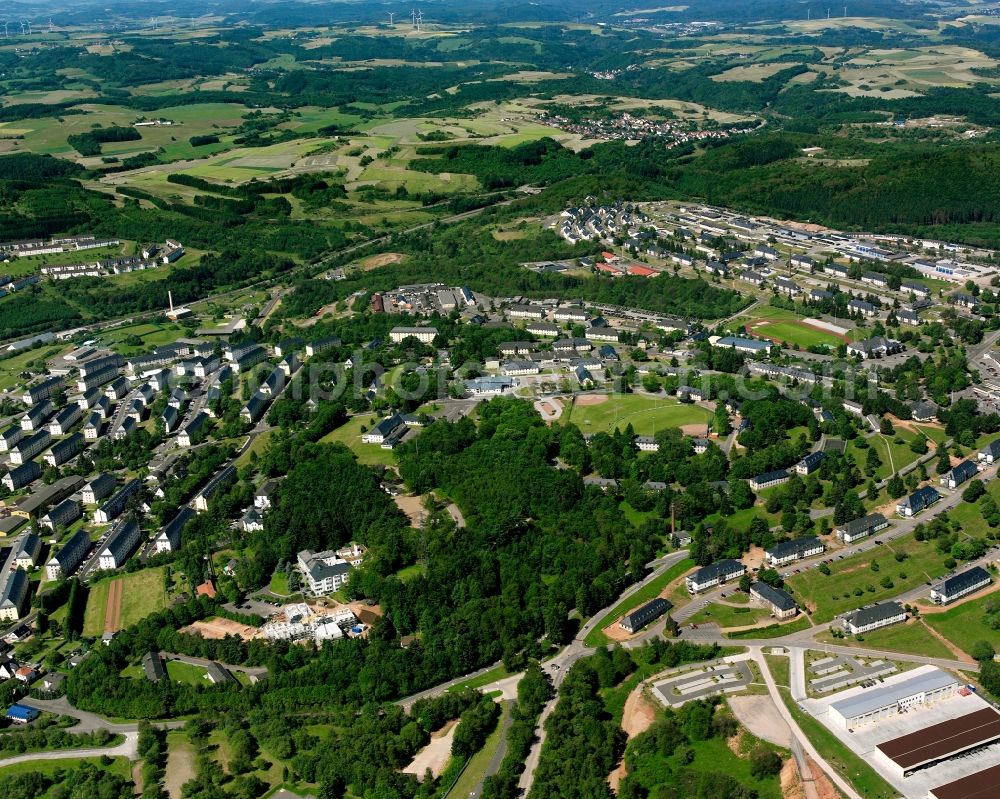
(641, 271)
(207, 588)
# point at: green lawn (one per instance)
(97, 602)
(791, 333)
(894, 456)
(646, 414)
(186, 673)
(649, 591)
(912, 638)
(780, 668)
(851, 767)
(726, 616)
(835, 593)
(119, 765)
(494, 674)
(774, 630)
(966, 624)
(478, 763)
(349, 435)
(279, 584)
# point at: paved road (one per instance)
(127, 748)
(494, 765)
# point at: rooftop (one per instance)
(871, 700)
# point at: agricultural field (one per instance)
(142, 594)
(600, 413)
(853, 583)
(966, 624)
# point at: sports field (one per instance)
(798, 333)
(603, 413)
(141, 594)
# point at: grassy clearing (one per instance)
(649, 591)
(349, 435)
(726, 616)
(97, 603)
(912, 638)
(118, 765)
(186, 673)
(475, 771)
(774, 630)
(645, 414)
(852, 582)
(780, 668)
(966, 624)
(494, 674)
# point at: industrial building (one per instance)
(942, 741)
(872, 705)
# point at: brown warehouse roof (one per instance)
(944, 739)
(981, 785)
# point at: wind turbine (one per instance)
(50, 24)
(413, 18)
(420, 20)
(5, 34)
(390, 19)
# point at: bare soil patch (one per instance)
(637, 717)
(113, 610)
(435, 755)
(791, 781)
(382, 259)
(693, 429)
(412, 507)
(759, 715)
(218, 628)
(585, 400)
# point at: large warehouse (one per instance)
(942, 741)
(884, 702)
(983, 784)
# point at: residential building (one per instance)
(120, 545)
(810, 463)
(480, 386)
(42, 391)
(22, 714)
(425, 335)
(98, 488)
(717, 573)
(62, 515)
(10, 437)
(924, 411)
(647, 444)
(516, 368)
(968, 582)
(65, 450)
(769, 479)
(92, 426)
(20, 476)
(322, 345)
(546, 329)
(862, 307)
(115, 505)
(637, 619)
(873, 618)
(28, 549)
(27, 448)
(965, 470)
(990, 453)
(66, 560)
(253, 411)
(13, 594)
(796, 549)
(65, 419)
(323, 572)
(262, 496)
(917, 501)
(169, 538)
(908, 317)
(524, 312)
(860, 528)
(194, 430)
(152, 665)
(779, 601)
(222, 480)
(35, 417)
(383, 430)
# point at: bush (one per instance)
(764, 763)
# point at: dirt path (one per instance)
(113, 609)
(435, 755)
(958, 653)
(637, 717)
(413, 508)
(180, 768)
